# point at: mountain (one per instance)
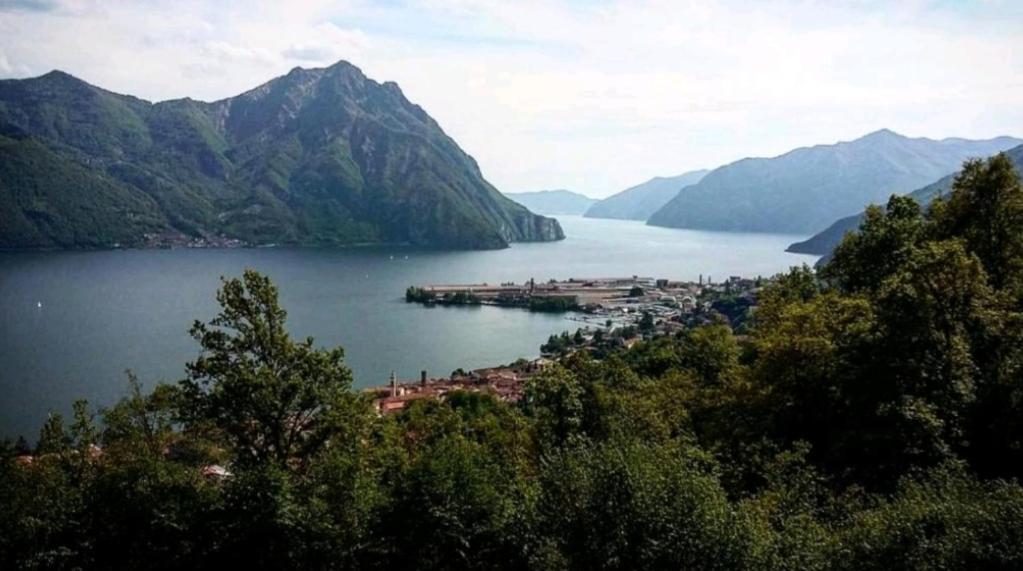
(553, 201)
(318, 156)
(825, 241)
(640, 201)
(806, 189)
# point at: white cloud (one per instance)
(590, 96)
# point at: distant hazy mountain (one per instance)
(553, 201)
(824, 242)
(640, 201)
(318, 156)
(806, 189)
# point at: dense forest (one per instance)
(869, 417)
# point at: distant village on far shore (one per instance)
(613, 313)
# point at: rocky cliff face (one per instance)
(319, 156)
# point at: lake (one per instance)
(105, 312)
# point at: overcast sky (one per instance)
(587, 95)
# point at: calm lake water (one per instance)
(105, 312)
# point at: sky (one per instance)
(592, 96)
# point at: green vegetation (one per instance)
(563, 343)
(736, 308)
(553, 304)
(868, 420)
(419, 295)
(318, 156)
(36, 209)
(646, 323)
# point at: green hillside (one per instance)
(320, 156)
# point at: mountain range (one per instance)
(807, 189)
(558, 201)
(824, 242)
(640, 201)
(318, 156)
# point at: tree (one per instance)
(84, 433)
(884, 242)
(553, 399)
(21, 446)
(711, 352)
(272, 399)
(654, 357)
(985, 210)
(626, 505)
(141, 422)
(53, 438)
(646, 323)
(944, 519)
(799, 285)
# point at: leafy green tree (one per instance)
(150, 505)
(808, 359)
(882, 245)
(944, 520)
(142, 423)
(452, 508)
(798, 284)
(985, 210)
(637, 506)
(84, 433)
(711, 352)
(931, 314)
(654, 357)
(272, 399)
(646, 323)
(54, 437)
(553, 399)
(21, 446)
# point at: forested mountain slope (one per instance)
(806, 189)
(318, 156)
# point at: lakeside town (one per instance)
(614, 313)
